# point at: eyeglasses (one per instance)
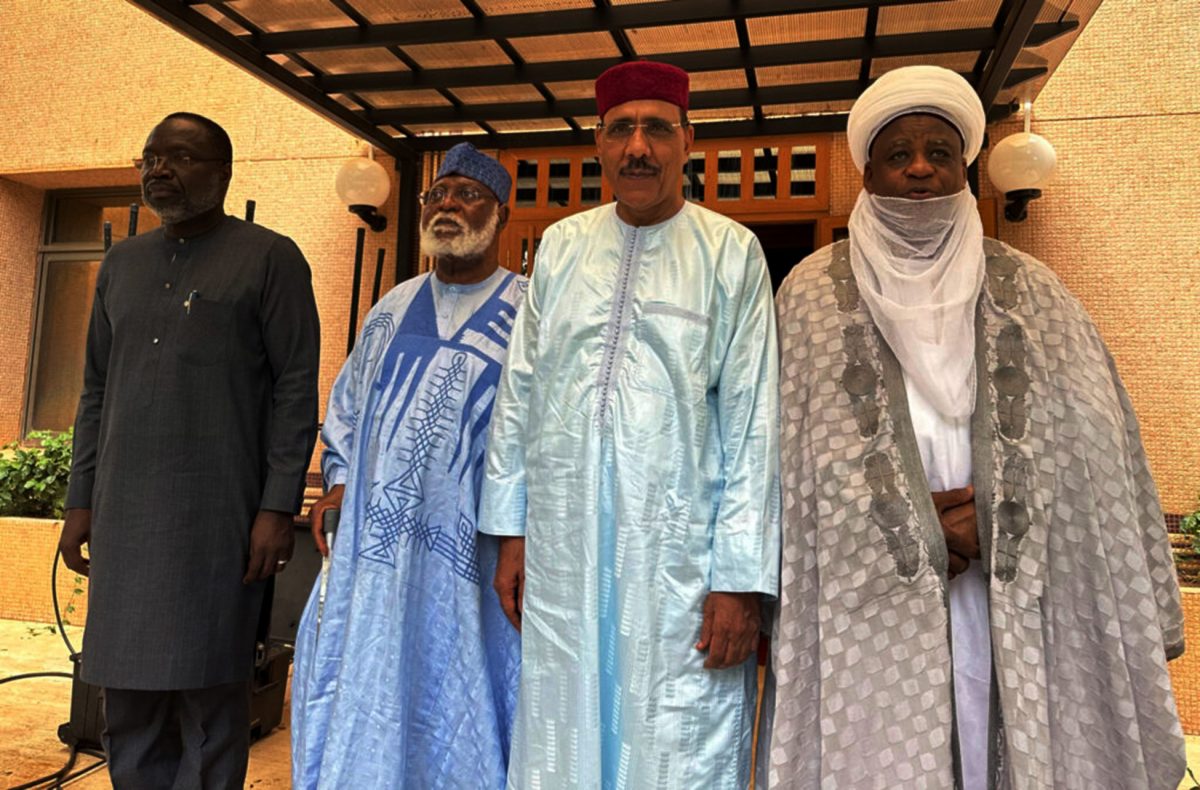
(177, 159)
(655, 129)
(467, 196)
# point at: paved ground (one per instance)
(31, 710)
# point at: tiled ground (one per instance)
(31, 710)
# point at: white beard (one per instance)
(467, 245)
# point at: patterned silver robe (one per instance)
(1083, 596)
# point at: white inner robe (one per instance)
(945, 446)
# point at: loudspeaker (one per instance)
(87, 713)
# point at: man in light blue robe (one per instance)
(633, 470)
(406, 668)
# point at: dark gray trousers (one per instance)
(194, 739)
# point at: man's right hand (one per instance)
(76, 531)
(956, 511)
(316, 516)
(510, 578)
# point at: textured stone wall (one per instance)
(1119, 222)
(91, 81)
(20, 226)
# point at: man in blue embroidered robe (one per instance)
(406, 675)
(633, 468)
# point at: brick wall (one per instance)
(1185, 670)
(1119, 221)
(25, 567)
(20, 224)
(76, 130)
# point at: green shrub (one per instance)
(34, 474)
(1190, 525)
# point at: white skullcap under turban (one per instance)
(916, 89)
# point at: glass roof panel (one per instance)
(800, 73)
(962, 62)
(579, 89)
(926, 17)
(414, 98)
(277, 16)
(498, 94)
(214, 14)
(499, 7)
(822, 26)
(454, 55)
(352, 61)
(576, 46)
(683, 38)
(380, 12)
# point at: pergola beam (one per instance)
(803, 124)
(551, 23)
(1013, 36)
(902, 45)
(701, 100)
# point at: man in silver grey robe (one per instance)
(1079, 605)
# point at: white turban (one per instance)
(916, 89)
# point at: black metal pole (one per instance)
(133, 219)
(360, 241)
(250, 210)
(378, 276)
(408, 213)
(107, 235)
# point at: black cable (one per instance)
(27, 675)
(54, 596)
(87, 769)
(56, 778)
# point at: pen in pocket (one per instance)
(187, 305)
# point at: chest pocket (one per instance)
(670, 351)
(204, 332)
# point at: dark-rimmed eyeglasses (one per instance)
(654, 129)
(150, 162)
(466, 195)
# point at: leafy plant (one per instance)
(1190, 526)
(34, 475)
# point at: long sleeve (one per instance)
(291, 335)
(745, 549)
(341, 420)
(1149, 521)
(502, 503)
(91, 402)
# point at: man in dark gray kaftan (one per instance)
(192, 440)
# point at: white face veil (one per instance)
(919, 264)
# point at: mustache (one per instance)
(639, 166)
(445, 215)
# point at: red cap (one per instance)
(641, 79)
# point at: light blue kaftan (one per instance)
(409, 678)
(634, 444)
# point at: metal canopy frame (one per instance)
(425, 113)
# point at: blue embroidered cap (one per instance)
(465, 159)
